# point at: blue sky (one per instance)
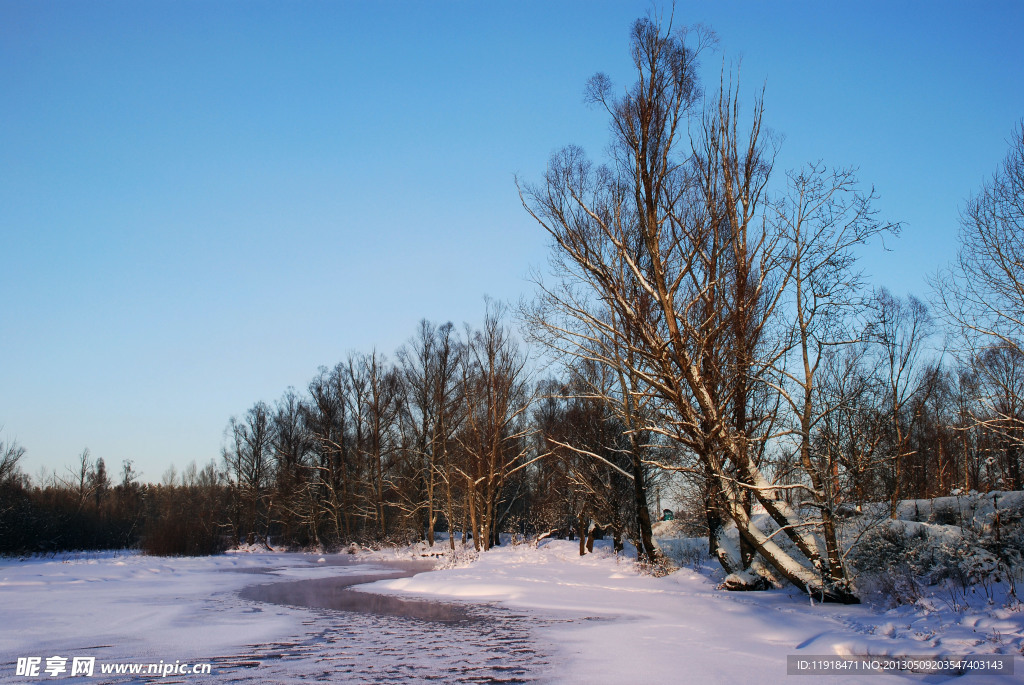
(202, 202)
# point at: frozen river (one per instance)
(273, 618)
(365, 637)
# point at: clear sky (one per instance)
(202, 202)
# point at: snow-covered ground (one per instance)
(556, 617)
(636, 628)
(131, 607)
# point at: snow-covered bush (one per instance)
(460, 557)
(899, 559)
(685, 551)
(1004, 541)
(662, 566)
(883, 548)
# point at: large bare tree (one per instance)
(673, 236)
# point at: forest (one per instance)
(703, 336)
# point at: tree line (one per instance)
(704, 323)
(443, 438)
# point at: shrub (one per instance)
(898, 564)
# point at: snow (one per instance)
(968, 507)
(557, 617)
(628, 627)
(142, 606)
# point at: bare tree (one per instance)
(249, 459)
(823, 217)
(900, 329)
(493, 435)
(430, 364)
(707, 266)
(582, 334)
(379, 414)
(10, 454)
(331, 485)
(587, 436)
(965, 426)
(291, 445)
(80, 479)
(10, 476)
(850, 432)
(982, 293)
(1000, 409)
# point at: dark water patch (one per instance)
(335, 593)
(355, 636)
(412, 566)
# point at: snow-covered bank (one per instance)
(628, 627)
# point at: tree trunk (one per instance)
(648, 551)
